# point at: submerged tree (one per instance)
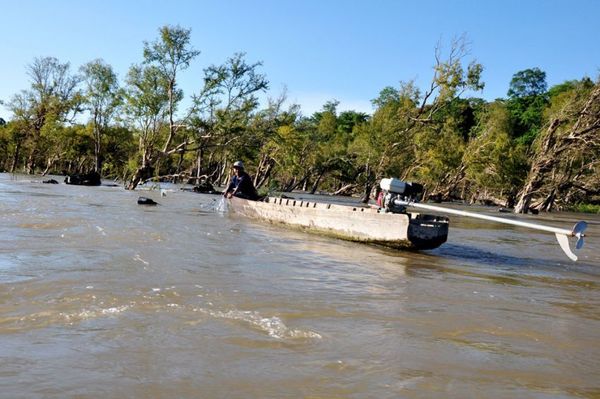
(166, 57)
(53, 96)
(102, 98)
(146, 107)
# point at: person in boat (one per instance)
(241, 184)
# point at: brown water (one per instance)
(103, 298)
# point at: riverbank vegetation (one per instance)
(538, 148)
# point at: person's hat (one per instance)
(238, 164)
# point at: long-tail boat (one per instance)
(389, 223)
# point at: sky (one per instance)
(315, 50)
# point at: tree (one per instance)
(167, 56)
(379, 147)
(102, 98)
(495, 165)
(53, 96)
(171, 54)
(347, 120)
(527, 100)
(408, 111)
(223, 108)
(528, 83)
(146, 106)
(387, 95)
(268, 127)
(566, 158)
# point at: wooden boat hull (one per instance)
(360, 224)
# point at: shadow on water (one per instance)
(479, 256)
(474, 263)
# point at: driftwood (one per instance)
(488, 199)
(346, 190)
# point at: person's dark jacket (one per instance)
(242, 187)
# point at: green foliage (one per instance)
(528, 83)
(495, 163)
(569, 85)
(584, 208)
(172, 51)
(386, 96)
(53, 98)
(438, 153)
(120, 146)
(526, 103)
(224, 108)
(380, 145)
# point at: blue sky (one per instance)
(319, 50)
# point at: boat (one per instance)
(389, 223)
(354, 223)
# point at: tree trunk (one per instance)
(199, 164)
(30, 168)
(368, 185)
(142, 173)
(15, 159)
(543, 163)
(316, 183)
(97, 135)
(265, 174)
(345, 190)
(289, 186)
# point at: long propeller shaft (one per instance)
(487, 217)
(561, 234)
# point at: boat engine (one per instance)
(394, 189)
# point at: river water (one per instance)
(104, 298)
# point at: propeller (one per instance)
(578, 230)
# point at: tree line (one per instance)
(536, 149)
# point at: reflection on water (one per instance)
(101, 297)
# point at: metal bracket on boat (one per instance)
(562, 235)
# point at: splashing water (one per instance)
(273, 326)
(221, 205)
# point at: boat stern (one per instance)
(427, 231)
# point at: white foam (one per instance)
(93, 313)
(273, 326)
(139, 259)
